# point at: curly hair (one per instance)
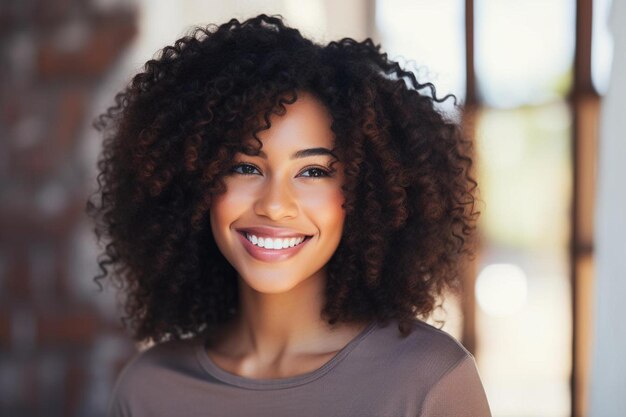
(170, 139)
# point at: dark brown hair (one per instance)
(170, 138)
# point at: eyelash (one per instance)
(325, 173)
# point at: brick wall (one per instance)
(61, 343)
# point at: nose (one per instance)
(276, 201)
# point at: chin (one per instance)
(278, 282)
(269, 284)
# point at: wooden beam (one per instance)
(584, 102)
(468, 299)
(470, 71)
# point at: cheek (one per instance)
(225, 208)
(235, 197)
(325, 206)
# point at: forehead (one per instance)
(305, 124)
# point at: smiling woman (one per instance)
(282, 199)
(281, 215)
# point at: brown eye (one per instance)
(244, 169)
(316, 173)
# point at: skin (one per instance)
(279, 332)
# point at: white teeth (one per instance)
(276, 243)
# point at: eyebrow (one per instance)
(302, 153)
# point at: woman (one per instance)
(279, 214)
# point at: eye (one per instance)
(316, 172)
(246, 169)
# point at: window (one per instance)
(524, 71)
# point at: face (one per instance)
(287, 193)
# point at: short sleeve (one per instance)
(459, 393)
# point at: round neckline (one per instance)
(277, 383)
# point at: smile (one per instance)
(275, 243)
(280, 250)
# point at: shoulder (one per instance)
(149, 372)
(440, 348)
(437, 340)
(431, 367)
(425, 345)
(168, 356)
(454, 387)
(421, 358)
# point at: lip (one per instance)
(271, 231)
(270, 255)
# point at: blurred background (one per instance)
(533, 76)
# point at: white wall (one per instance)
(608, 380)
(161, 22)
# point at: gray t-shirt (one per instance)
(377, 374)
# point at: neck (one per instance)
(271, 325)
